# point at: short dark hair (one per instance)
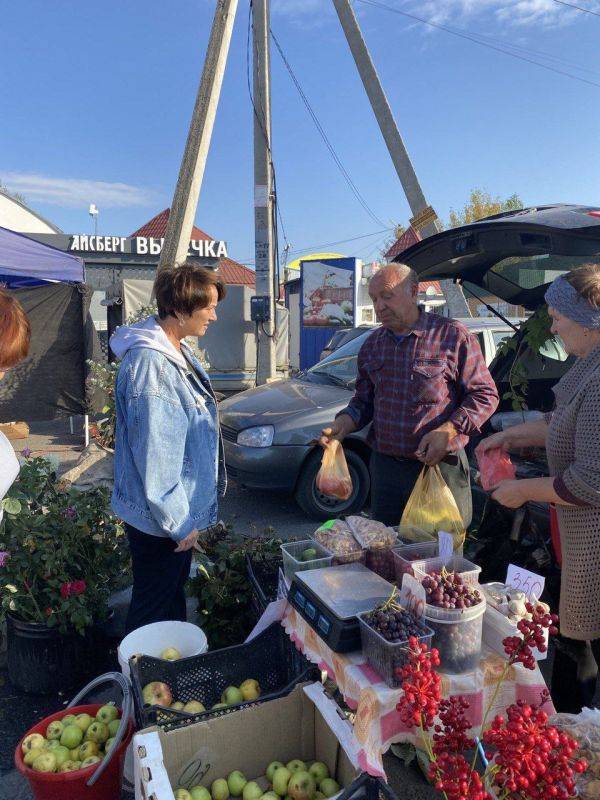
(184, 289)
(15, 331)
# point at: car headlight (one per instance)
(262, 436)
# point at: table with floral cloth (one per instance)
(377, 724)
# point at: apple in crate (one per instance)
(281, 778)
(329, 787)
(302, 786)
(252, 791)
(236, 782)
(199, 793)
(232, 696)
(296, 765)
(194, 707)
(274, 765)
(157, 694)
(319, 771)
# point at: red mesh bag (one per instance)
(333, 478)
(494, 466)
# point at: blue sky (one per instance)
(96, 101)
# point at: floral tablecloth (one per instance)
(377, 724)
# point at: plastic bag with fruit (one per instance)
(377, 539)
(333, 478)
(336, 537)
(494, 466)
(431, 508)
(585, 727)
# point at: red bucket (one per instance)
(72, 785)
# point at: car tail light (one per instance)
(593, 213)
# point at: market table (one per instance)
(377, 724)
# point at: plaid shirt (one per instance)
(408, 387)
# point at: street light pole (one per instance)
(264, 254)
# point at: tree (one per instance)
(480, 205)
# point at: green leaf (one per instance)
(11, 505)
(406, 752)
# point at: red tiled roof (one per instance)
(424, 285)
(231, 271)
(408, 238)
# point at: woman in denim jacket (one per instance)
(169, 466)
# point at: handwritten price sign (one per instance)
(445, 546)
(412, 596)
(524, 581)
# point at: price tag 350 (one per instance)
(412, 596)
(523, 580)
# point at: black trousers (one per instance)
(393, 479)
(159, 576)
(574, 674)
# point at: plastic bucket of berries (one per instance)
(468, 571)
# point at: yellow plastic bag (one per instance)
(333, 478)
(432, 508)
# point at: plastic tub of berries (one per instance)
(388, 656)
(300, 556)
(405, 554)
(468, 571)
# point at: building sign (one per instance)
(142, 245)
(327, 294)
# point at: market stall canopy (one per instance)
(25, 262)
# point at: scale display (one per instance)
(330, 599)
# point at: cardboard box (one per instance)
(304, 724)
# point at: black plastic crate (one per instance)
(366, 787)
(271, 659)
(264, 577)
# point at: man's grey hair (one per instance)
(403, 271)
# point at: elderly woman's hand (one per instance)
(510, 494)
(187, 543)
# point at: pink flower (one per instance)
(72, 589)
(4, 556)
(26, 452)
(78, 587)
(65, 590)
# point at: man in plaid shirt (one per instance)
(424, 385)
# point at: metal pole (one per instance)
(263, 186)
(191, 172)
(424, 219)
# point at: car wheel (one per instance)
(321, 507)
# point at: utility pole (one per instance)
(424, 219)
(264, 255)
(191, 172)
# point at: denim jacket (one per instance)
(169, 460)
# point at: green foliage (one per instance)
(535, 333)
(62, 551)
(222, 586)
(481, 204)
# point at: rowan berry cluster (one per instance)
(519, 649)
(452, 775)
(450, 735)
(421, 693)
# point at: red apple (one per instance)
(157, 694)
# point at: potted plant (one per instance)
(61, 555)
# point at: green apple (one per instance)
(178, 705)
(252, 791)
(113, 727)
(194, 707)
(302, 786)
(319, 796)
(217, 706)
(53, 744)
(310, 554)
(296, 765)
(61, 754)
(271, 769)
(46, 762)
(69, 766)
(83, 721)
(89, 761)
(71, 736)
(219, 789)
(107, 713)
(231, 696)
(182, 794)
(199, 793)
(108, 744)
(269, 796)
(250, 689)
(74, 754)
(54, 730)
(236, 782)
(30, 756)
(88, 749)
(69, 719)
(329, 787)
(97, 732)
(281, 778)
(319, 771)
(170, 654)
(35, 741)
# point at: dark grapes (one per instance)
(448, 590)
(395, 625)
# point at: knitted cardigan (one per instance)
(573, 448)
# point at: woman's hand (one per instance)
(497, 441)
(187, 543)
(510, 494)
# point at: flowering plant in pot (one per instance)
(527, 757)
(61, 551)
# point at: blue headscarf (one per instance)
(562, 296)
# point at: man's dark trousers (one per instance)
(393, 479)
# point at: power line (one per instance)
(474, 38)
(577, 8)
(353, 188)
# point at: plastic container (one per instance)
(497, 626)
(292, 557)
(468, 571)
(457, 635)
(270, 658)
(387, 658)
(100, 781)
(405, 554)
(151, 640)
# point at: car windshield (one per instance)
(528, 272)
(341, 367)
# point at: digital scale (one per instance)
(330, 599)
